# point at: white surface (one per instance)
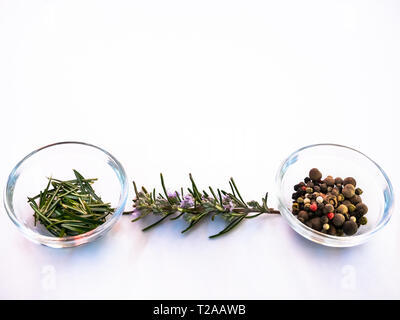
(216, 88)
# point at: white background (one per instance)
(216, 88)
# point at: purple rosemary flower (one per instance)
(226, 198)
(229, 206)
(187, 202)
(172, 194)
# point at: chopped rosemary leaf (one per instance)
(70, 207)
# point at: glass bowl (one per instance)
(58, 160)
(337, 161)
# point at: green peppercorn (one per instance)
(351, 207)
(315, 174)
(350, 227)
(342, 209)
(340, 197)
(309, 190)
(300, 200)
(307, 206)
(338, 219)
(361, 208)
(349, 180)
(359, 191)
(363, 220)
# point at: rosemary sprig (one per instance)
(71, 207)
(196, 206)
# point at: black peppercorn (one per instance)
(332, 230)
(338, 219)
(346, 202)
(330, 181)
(310, 184)
(350, 227)
(316, 223)
(324, 187)
(361, 208)
(355, 199)
(324, 219)
(315, 174)
(335, 192)
(328, 208)
(349, 180)
(303, 215)
(306, 179)
(348, 191)
(338, 180)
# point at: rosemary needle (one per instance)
(70, 207)
(195, 206)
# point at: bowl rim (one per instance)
(69, 240)
(319, 237)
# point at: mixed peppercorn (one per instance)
(332, 205)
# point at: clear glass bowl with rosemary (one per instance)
(66, 194)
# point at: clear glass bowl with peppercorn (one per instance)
(31, 175)
(320, 209)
